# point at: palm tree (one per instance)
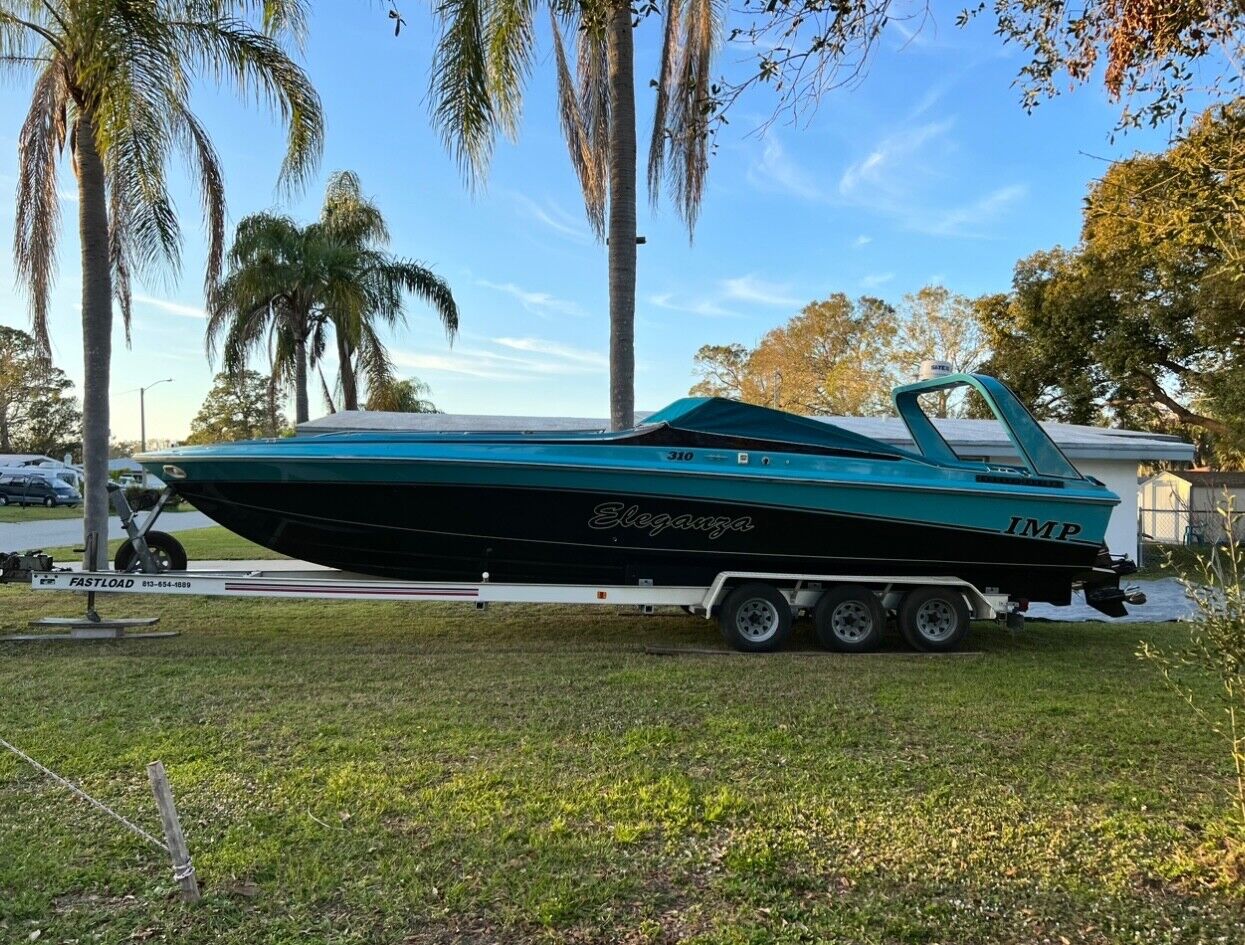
(483, 58)
(288, 286)
(113, 82)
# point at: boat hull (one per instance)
(528, 533)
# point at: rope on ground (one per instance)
(129, 825)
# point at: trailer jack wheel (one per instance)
(167, 551)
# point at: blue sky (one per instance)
(926, 171)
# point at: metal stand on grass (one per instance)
(91, 626)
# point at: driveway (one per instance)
(59, 533)
(1165, 600)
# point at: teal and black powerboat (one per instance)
(704, 486)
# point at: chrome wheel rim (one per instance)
(936, 620)
(756, 620)
(851, 621)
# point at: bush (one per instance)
(1216, 646)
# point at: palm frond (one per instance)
(509, 42)
(204, 162)
(119, 259)
(324, 389)
(229, 51)
(348, 215)
(463, 109)
(423, 283)
(372, 360)
(671, 48)
(38, 204)
(680, 144)
(589, 165)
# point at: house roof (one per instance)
(1211, 479)
(22, 459)
(967, 437)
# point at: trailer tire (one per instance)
(167, 550)
(756, 618)
(934, 619)
(849, 619)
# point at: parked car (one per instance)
(37, 490)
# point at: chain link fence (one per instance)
(1188, 526)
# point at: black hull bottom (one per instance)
(458, 533)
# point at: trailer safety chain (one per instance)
(180, 872)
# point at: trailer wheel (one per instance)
(933, 619)
(165, 549)
(849, 619)
(756, 618)
(4, 500)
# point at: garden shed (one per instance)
(1180, 507)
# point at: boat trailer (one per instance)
(797, 591)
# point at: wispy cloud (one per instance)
(554, 348)
(971, 219)
(892, 162)
(706, 307)
(862, 240)
(521, 359)
(745, 290)
(903, 177)
(539, 303)
(775, 171)
(173, 308)
(875, 279)
(751, 289)
(553, 217)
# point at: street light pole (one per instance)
(142, 412)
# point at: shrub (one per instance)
(1216, 645)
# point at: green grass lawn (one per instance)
(202, 544)
(386, 773)
(36, 513)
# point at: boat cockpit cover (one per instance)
(718, 416)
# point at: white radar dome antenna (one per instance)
(934, 367)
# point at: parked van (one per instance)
(27, 489)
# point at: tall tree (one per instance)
(236, 408)
(402, 396)
(834, 357)
(288, 288)
(113, 80)
(38, 412)
(935, 322)
(1154, 55)
(1143, 320)
(483, 58)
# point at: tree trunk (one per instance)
(350, 385)
(302, 409)
(96, 335)
(622, 221)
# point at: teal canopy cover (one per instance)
(721, 417)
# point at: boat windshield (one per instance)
(1037, 450)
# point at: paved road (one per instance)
(58, 533)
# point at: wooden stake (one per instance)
(183, 871)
